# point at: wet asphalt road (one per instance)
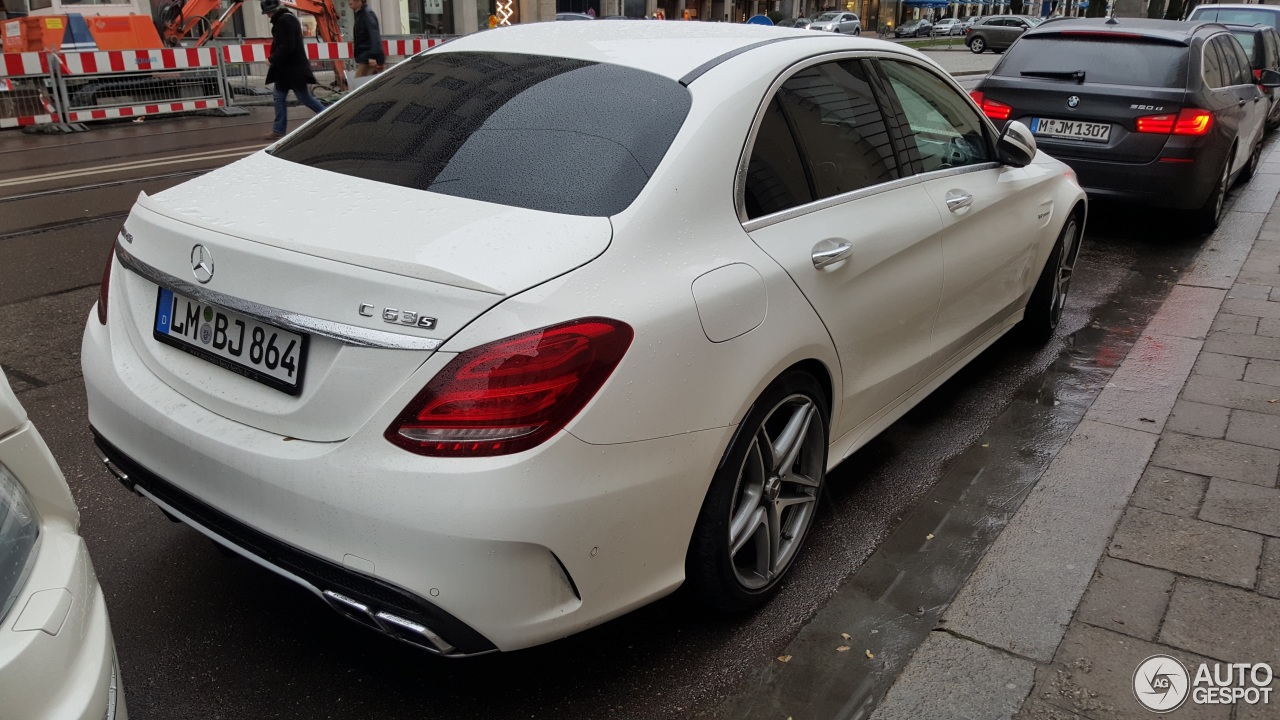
(202, 635)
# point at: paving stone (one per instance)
(1217, 458)
(1258, 711)
(1250, 306)
(1243, 506)
(1142, 391)
(1230, 393)
(1268, 327)
(1256, 346)
(1229, 367)
(1264, 372)
(1092, 675)
(1230, 245)
(1269, 572)
(1223, 623)
(953, 678)
(1186, 312)
(1129, 599)
(1252, 292)
(1268, 276)
(1253, 428)
(1190, 547)
(1244, 324)
(1195, 418)
(1275, 294)
(1170, 491)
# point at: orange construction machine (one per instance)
(180, 19)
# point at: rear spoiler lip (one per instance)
(1117, 35)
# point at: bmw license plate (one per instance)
(232, 341)
(1073, 129)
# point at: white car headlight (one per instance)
(19, 532)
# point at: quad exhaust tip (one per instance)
(400, 628)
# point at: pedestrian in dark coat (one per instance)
(370, 57)
(290, 69)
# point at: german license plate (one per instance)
(232, 341)
(1074, 129)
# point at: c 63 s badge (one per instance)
(400, 317)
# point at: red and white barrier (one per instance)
(33, 106)
(404, 48)
(120, 61)
(28, 63)
(142, 110)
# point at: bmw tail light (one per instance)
(1188, 121)
(105, 288)
(512, 394)
(993, 109)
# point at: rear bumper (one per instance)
(1173, 185)
(504, 552)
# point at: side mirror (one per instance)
(1016, 146)
(1269, 79)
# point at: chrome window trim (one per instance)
(740, 180)
(297, 322)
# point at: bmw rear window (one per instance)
(538, 132)
(1129, 61)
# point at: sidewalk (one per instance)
(1156, 529)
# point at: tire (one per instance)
(1044, 308)
(857, 32)
(755, 488)
(1254, 159)
(1210, 214)
(977, 45)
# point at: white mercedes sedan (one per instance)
(57, 657)
(546, 322)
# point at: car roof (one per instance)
(1172, 31)
(1236, 6)
(673, 49)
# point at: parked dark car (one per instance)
(998, 32)
(1157, 112)
(914, 28)
(800, 22)
(1237, 14)
(1262, 44)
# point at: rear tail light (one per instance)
(1188, 121)
(104, 289)
(993, 109)
(1257, 74)
(512, 394)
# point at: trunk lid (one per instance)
(324, 255)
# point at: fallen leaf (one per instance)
(843, 648)
(873, 632)
(869, 655)
(929, 536)
(1274, 401)
(846, 636)
(986, 444)
(784, 658)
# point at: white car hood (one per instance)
(439, 238)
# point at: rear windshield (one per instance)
(1105, 62)
(530, 131)
(1237, 16)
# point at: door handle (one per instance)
(1241, 103)
(830, 252)
(958, 200)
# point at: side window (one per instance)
(943, 131)
(776, 178)
(1214, 77)
(1273, 51)
(1245, 76)
(1230, 62)
(839, 127)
